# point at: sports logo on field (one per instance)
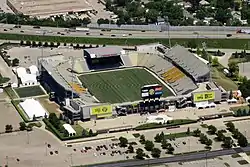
(151, 92)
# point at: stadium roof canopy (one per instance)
(104, 51)
(188, 61)
(33, 108)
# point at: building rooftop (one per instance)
(105, 51)
(46, 7)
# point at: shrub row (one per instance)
(169, 124)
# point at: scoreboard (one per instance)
(151, 91)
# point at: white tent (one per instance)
(69, 129)
(33, 108)
(34, 70)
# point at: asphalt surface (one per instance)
(178, 158)
(97, 33)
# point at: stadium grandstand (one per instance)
(188, 62)
(58, 80)
(85, 80)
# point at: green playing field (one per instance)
(120, 85)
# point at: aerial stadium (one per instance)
(107, 81)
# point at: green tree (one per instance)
(220, 136)
(123, 141)
(22, 126)
(208, 143)
(233, 67)
(164, 144)
(54, 120)
(170, 149)
(33, 43)
(28, 43)
(212, 129)
(46, 44)
(142, 139)
(149, 145)
(230, 126)
(156, 152)
(188, 131)
(192, 44)
(215, 61)
(242, 141)
(236, 55)
(40, 43)
(139, 154)
(245, 88)
(85, 133)
(228, 142)
(158, 138)
(203, 138)
(197, 132)
(15, 62)
(91, 132)
(130, 149)
(8, 128)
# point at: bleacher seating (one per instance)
(180, 83)
(76, 87)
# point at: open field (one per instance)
(119, 86)
(51, 107)
(210, 43)
(29, 91)
(222, 80)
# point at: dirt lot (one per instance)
(8, 114)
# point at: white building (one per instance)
(27, 79)
(69, 129)
(33, 108)
(158, 119)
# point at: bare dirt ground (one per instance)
(8, 114)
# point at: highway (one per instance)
(127, 34)
(177, 158)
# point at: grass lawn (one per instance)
(50, 107)
(29, 91)
(3, 79)
(222, 80)
(11, 93)
(242, 162)
(235, 156)
(240, 107)
(121, 85)
(175, 122)
(178, 135)
(20, 110)
(210, 43)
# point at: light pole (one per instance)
(168, 25)
(28, 138)
(206, 159)
(46, 150)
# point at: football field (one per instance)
(121, 85)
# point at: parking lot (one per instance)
(224, 161)
(28, 56)
(8, 114)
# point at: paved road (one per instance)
(178, 158)
(96, 33)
